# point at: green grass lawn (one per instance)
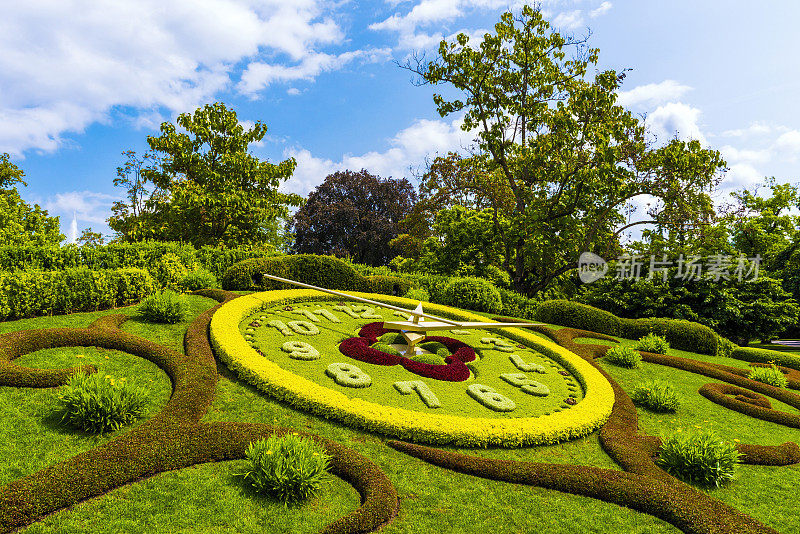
(211, 498)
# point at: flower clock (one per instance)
(344, 360)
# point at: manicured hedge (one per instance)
(143, 255)
(683, 335)
(748, 354)
(322, 271)
(34, 293)
(581, 420)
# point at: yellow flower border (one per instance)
(580, 420)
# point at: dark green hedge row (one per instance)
(34, 293)
(750, 354)
(120, 255)
(322, 271)
(683, 335)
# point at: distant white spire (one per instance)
(73, 228)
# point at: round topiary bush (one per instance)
(164, 307)
(417, 294)
(97, 403)
(623, 356)
(473, 294)
(289, 467)
(657, 395)
(385, 347)
(653, 343)
(699, 457)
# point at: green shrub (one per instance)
(516, 305)
(387, 285)
(623, 356)
(657, 395)
(199, 278)
(391, 338)
(432, 346)
(385, 347)
(433, 359)
(132, 285)
(725, 347)
(164, 307)
(169, 270)
(97, 403)
(769, 375)
(290, 467)
(473, 294)
(699, 457)
(653, 343)
(576, 315)
(417, 294)
(748, 354)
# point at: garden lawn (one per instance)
(210, 498)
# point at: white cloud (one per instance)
(66, 65)
(602, 9)
(258, 76)
(755, 129)
(427, 12)
(740, 176)
(735, 155)
(87, 206)
(409, 148)
(293, 91)
(789, 142)
(652, 94)
(569, 20)
(676, 119)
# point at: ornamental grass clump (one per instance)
(97, 403)
(769, 375)
(656, 395)
(652, 343)
(289, 467)
(699, 457)
(623, 356)
(164, 307)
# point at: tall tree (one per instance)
(569, 158)
(208, 188)
(354, 214)
(21, 223)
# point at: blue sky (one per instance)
(80, 82)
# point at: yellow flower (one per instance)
(80, 356)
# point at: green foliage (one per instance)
(432, 346)
(432, 359)
(97, 403)
(769, 375)
(353, 214)
(473, 294)
(699, 457)
(385, 347)
(417, 294)
(391, 338)
(623, 356)
(198, 278)
(653, 343)
(21, 224)
(725, 347)
(35, 293)
(321, 271)
(576, 315)
(561, 158)
(656, 395)
(290, 467)
(164, 307)
(208, 189)
(169, 270)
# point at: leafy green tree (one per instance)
(21, 223)
(566, 159)
(129, 218)
(354, 214)
(88, 238)
(208, 188)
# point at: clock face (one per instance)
(472, 387)
(329, 342)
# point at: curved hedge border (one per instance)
(644, 487)
(748, 403)
(751, 354)
(681, 334)
(583, 419)
(172, 439)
